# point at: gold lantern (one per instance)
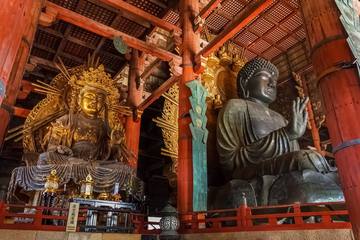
(52, 182)
(87, 187)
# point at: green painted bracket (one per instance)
(199, 139)
(120, 45)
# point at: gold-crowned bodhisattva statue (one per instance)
(84, 134)
(77, 130)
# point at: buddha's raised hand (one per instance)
(297, 125)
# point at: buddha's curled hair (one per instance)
(246, 73)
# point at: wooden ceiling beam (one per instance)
(45, 48)
(25, 89)
(234, 27)
(133, 18)
(21, 112)
(204, 13)
(150, 69)
(279, 24)
(158, 92)
(103, 40)
(67, 32)
(209, 8)
(246, 48)
(126, 7)
(44, 62)
(264, 38)
(109, 32)
(80, 42)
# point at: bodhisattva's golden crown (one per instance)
(96, 78)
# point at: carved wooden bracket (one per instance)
(175, 68)
(137, 114)
(199, 23)
(48, 17)
(177, 40)
(200, 64)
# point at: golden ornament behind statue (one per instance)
(219, 76)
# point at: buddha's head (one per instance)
(257, 80)
(91, 101)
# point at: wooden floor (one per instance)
(55, 235)
(323, 234)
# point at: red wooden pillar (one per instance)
(341, 93)
(133, 123)
(18, 21)
(190, 46)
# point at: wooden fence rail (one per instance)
(283, 217)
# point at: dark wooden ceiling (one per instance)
(270, 34)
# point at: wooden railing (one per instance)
(54, 219)
(284, 217)
(35, 217)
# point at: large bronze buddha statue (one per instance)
(256, 144)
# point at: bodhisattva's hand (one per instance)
(64, 150)
(297, 126)
(117, 135)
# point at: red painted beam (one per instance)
(109, 32)
(25, 90)
(21, 112)
(234, 27)
(212, 5)
(124, 6)
(157, 93)
(205, 12)
(150, 69)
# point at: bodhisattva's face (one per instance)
(262, 86)
(91, 103)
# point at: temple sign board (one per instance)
(71, 222)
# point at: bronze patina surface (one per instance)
(257, 144)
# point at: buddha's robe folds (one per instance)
(252, 141)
